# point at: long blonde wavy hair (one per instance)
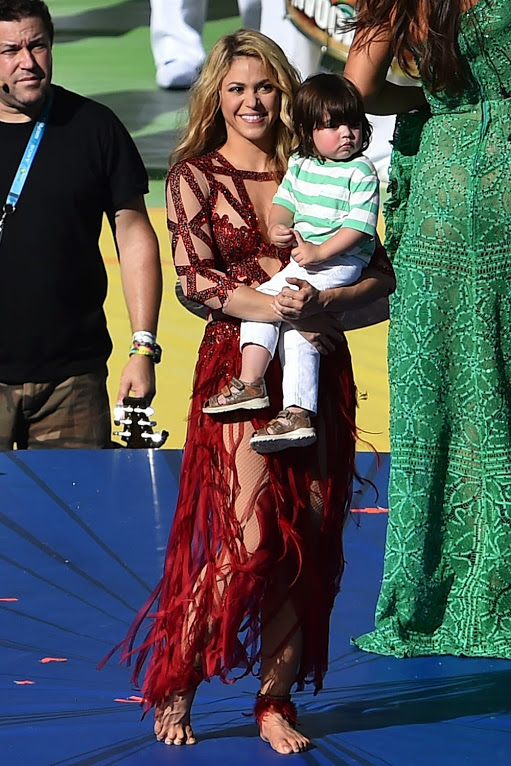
(206, 129)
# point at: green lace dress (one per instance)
(447, 579)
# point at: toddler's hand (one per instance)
(305, 253)
(281, 236)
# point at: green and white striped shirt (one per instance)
(325, 196)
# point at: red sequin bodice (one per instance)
(217, 243)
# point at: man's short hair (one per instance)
(15, 10)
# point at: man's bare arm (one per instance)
(138, 252)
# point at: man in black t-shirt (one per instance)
(55, 343)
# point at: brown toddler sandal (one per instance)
(296, 431)
(239, 396)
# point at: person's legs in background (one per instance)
(250, 12)
(176, 41)
(176, 37)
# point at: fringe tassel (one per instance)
(267, 703)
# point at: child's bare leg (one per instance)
(254, 362)
(249, 390)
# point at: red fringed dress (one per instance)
(245, 524)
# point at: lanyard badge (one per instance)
(25, 164)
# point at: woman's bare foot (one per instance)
(281, 736)
(172, 720)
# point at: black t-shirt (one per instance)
(53, 282)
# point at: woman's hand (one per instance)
(323, 331)
(293, 304)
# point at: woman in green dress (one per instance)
(447, 579)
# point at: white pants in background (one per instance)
(176, 36)
(298, 357)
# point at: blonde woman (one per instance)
(254, 557)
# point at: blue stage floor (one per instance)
(83, 536)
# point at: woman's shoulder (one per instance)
(203, 163)
(193, 170)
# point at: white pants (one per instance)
(176, 28)
(298, 357)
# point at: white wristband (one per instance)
(144, 337)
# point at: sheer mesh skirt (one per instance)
(250, 533)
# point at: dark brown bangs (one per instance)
(327, 97)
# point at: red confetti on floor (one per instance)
(370, 510)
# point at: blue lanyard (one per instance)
(26, 163)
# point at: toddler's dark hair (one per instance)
(327, 94)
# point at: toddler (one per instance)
(327, 207)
